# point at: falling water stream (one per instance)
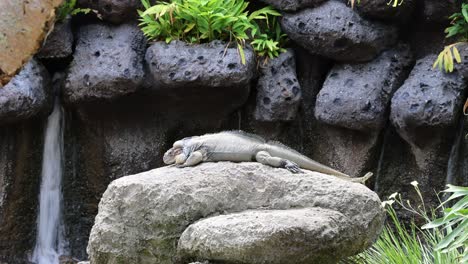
(50, 242)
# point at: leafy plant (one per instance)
(269, 44)
(200, 21)
(446, 57)
(455, 222)
(458, 29)
(400, 244)
(68, 8)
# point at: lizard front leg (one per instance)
(265, 158)
(192, 160)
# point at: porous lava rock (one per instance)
(335, 31)
(385, 10)
(293, 5)
(107, 63)
(59, 43)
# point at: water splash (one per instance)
(50, 242)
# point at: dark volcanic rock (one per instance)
(380, 9)
(424, 111)
(439, 11)
(27, 94)
(463, 66)
(429, 98)
(278, 91)
(206, 75)
(335, 31)
(108, 63)
(59, 43)
(115, 11)
(356, 96)
(293, 5)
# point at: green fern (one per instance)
(201, 21)
(68, 8)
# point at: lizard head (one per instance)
(174, 155)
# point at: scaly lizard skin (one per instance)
(238, 146)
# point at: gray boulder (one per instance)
(108, 63)
(381, 9)
(293, 5)
(337, 32)
(200, 76)
(357, 96)
(141, 217)
(462, 67)
(309, 235)
(278, 91)
(429, 99)
(27, 94)
(59, 43)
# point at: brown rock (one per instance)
(23, 26)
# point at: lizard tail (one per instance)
(362, 179)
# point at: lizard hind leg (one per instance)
(265, 158)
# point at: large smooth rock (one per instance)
(108, 63)
(59, 43)
(429, 98)
(194, 76)
(293, 5)
(23, 26)
(141, 217)
(310, 235)
(278, 90)
(335, 31)
(27, 94)
(357, 96)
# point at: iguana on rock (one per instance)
(238, 146)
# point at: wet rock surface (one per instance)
(335, 31)
(293, 5)
(357, 96)
(59, 43)
(108, 63)
(137, 214)
(26, 95)
(21, 145)
(200, 76)
(278, 90)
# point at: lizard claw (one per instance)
(292, 167)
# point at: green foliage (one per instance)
(437, 242)
(269, 44)
(200, 21)
(455, 222)
(459, 30)
(68, 8)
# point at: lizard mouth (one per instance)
(170, 155)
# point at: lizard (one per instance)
(239, 146)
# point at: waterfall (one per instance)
(50, 242)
